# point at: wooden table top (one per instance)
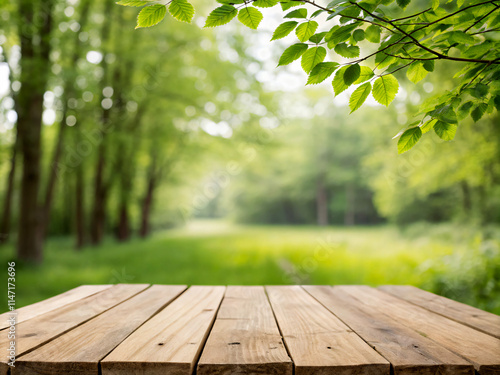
(129, 329)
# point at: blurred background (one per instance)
(178, 154)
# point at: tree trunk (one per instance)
(124, 223)
(9, 192)
(321, 202)
(79, 208)
(98, 221)
(98, 212)
(466, 198)
(146, 207)
(350, 209)
(29, 106)
(58, 150)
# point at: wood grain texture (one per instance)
(408, 352)
(245, 338)
(43, 328)
(482, 350)
(171, 341)
(318, 342)
(470, 316)
(42, 307)
(80, 350)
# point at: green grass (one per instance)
(219, 253)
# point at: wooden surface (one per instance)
(460, 312)
(80, 350)
(245, 337)
(72, 295)
(214, 330)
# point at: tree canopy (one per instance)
(372, 42)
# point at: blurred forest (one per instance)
(144, 130)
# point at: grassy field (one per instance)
(220, 253)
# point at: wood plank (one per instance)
(470, 316)
(43, 328)
(80, 350)
(482, 350)
(42, 307)
(408, 352)
(245, 338)
(318, 342)
(171, 341)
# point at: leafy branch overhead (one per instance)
(373, 49)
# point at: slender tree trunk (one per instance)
(98, 218)
(321, 202)
(79, 208)
(58, 150)
(147, 203)
(124, 223)
(350, 209)
(7, 207)
(99, 209)
(34, 75)
(466, 198)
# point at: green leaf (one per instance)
(297, 13)
(265, 3)
(181, 10)
(480, 91)
(429, 65)
(462, 37)
(365, 74)
(403, 3)
(409, 139)
(351, 74)
(341, 34)
(284, 29)
(292, 53)
(133, 3)
(479, 111)
(347, 51)
(312, 57)
(385, 89)
(250, 17)
(416, 72)
(428, 125)
(151, 15)
(435, 4)
(338, 81)
(358, 35)
(305, 30)
(285, 5)
(321, 72)
(445, 131)
(445, 114)
(359, 96)
(317, 38)
(372, 34)
(221, 15)
(496, 101)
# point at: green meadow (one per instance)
(211, 252)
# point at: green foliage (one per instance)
(292, 53)
(284, 29)
(250, 17)
(181, 10)
(385, 89)
(406, 39)
(312, 57)
(221, 16)
(408, 139)
(151, 15)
